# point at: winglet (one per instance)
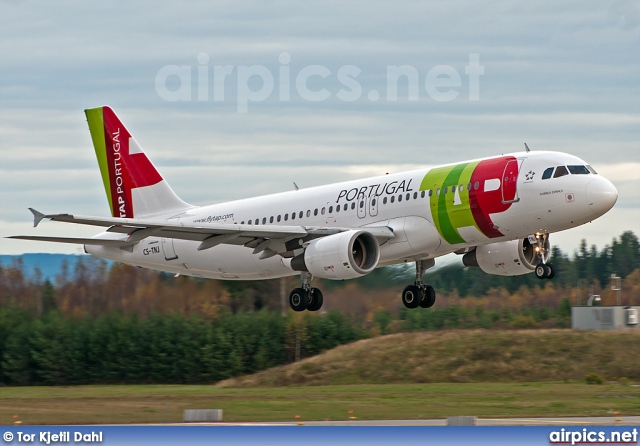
(37, 216)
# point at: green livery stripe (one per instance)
(450, 211)
(96, 127)
(446, 203)
(459, 211)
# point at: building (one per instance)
(605, 318)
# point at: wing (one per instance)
(266, 239)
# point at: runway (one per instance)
(568, 421)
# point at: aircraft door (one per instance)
(362, 206)
(373, 206)
(167, 244)
(510, 181)
(168, 249)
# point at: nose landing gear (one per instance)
(543, 269)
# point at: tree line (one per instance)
(168, 349)
(117, 348)
(93, 287)
(100, 324)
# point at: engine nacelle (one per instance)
(345, 255)
(511, 258)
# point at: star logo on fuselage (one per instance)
(529, 176)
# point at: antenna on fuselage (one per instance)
(526, 148)
(296, 186)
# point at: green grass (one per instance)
(489, 374)
(159, 404)
(464, 356)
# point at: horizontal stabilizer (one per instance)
(77, 241)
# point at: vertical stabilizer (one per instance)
(133, 185)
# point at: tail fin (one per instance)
(134, 187)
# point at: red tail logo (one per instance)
(129, 167)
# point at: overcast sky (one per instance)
(558, 75)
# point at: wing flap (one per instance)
(259, 237)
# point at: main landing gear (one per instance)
(419, 294)
(306, 297)
(543, 269)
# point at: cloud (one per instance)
(559, 76)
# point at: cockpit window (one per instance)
(547, 173)
(592, 170)
(578, 170)
(560, 172)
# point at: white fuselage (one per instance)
(426, 221)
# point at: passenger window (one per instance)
(430, 192)
(578, 170)
(286, 217)
(315, 211)
(393, 198)
(271, 219)
(278, 219)
(399, 198)
(560, 172)
(257, 221)
(422, 194)
(308, 213)
(415, 195)
(346, 206)
(373, 202)
(242, 222)
(338, 208)
(322, 211)
(438, 191)
(293, 216)
(353, 205)
(476, 185)
(264, 220)
(331, 209)
(445, 190)
(468, 186)
(547, 173)
(384, 200)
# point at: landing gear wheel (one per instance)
(541, 271)
(412, 296)
(551, 271)
(299, 299)
(429, 297)
(315, 299)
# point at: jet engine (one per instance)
(345, 255)
(510, 258)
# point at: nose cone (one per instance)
(601, 194)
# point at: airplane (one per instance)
(496, 212)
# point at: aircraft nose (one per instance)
(601, 194)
